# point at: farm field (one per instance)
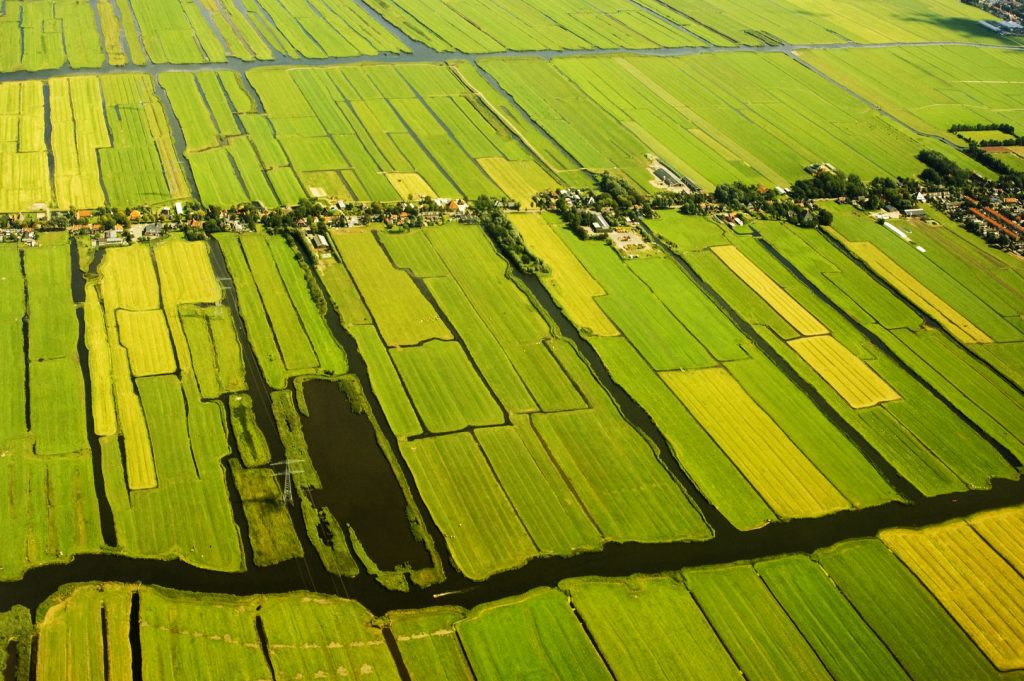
(476, 27)
(852, 610)
(802, 22)
(985, 394)
(502, 422)
(50, 512)
(933, 88)
(166, 356)
(973, 293)
(697, 114)
(832, 350)
(747, 469)
(38, 35)
(356, 133)
(111, 143)
(24, 173)
(489, 341)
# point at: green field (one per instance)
(353, 133)
(929, 461)
(690, 367)
(476, 27)
(111, 143)
(803, 22)
(849, 611)
(933, 88)
(713, 118)
(384, 319)
(546, 434)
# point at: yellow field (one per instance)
(793, 312)
(1004, 531)
(128, 282)
(520, 180)
(140, 468)
(572, 286)
(144, 335)
(982, 592)
(73, 635)
(104, 416)
(129, 279)
(917, 293)
(778, 470)
(186, 275)
(24, 173)
(410, 184)
(852, 378)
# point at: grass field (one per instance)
(474, 27)
(974, 388)
(172, 440)
(848, 611)
(670, 331)
(111, 143)
(535, 635)
(837, 301)
(752, 625)
(982, 591)
(791, 485)
(842, 640)
(49, 511)
(23, 165)
(914, 626)
(287, 333)
(650, 628)
(353, 133)
(546, 434)
(713, 118)
(933, 88)
(772, 22)
(848, 374)
(36, 36)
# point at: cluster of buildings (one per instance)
(1009, 13)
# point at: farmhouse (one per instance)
(600, 224)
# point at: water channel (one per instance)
(361, 489)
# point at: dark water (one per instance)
(331, 420)
(359, 485)
(11, 662)
(615, 560)
(78, 295)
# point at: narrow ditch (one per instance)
(396, 654)
(261, 632)
(879, 344)
(357, 367)
(873, 456)
(135, 637)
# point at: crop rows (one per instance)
(760, 22)
(354, 133)
(478, 27)
(715, 347)
(49, 509)
(713, 118)
(500, 421)
(853, 610)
